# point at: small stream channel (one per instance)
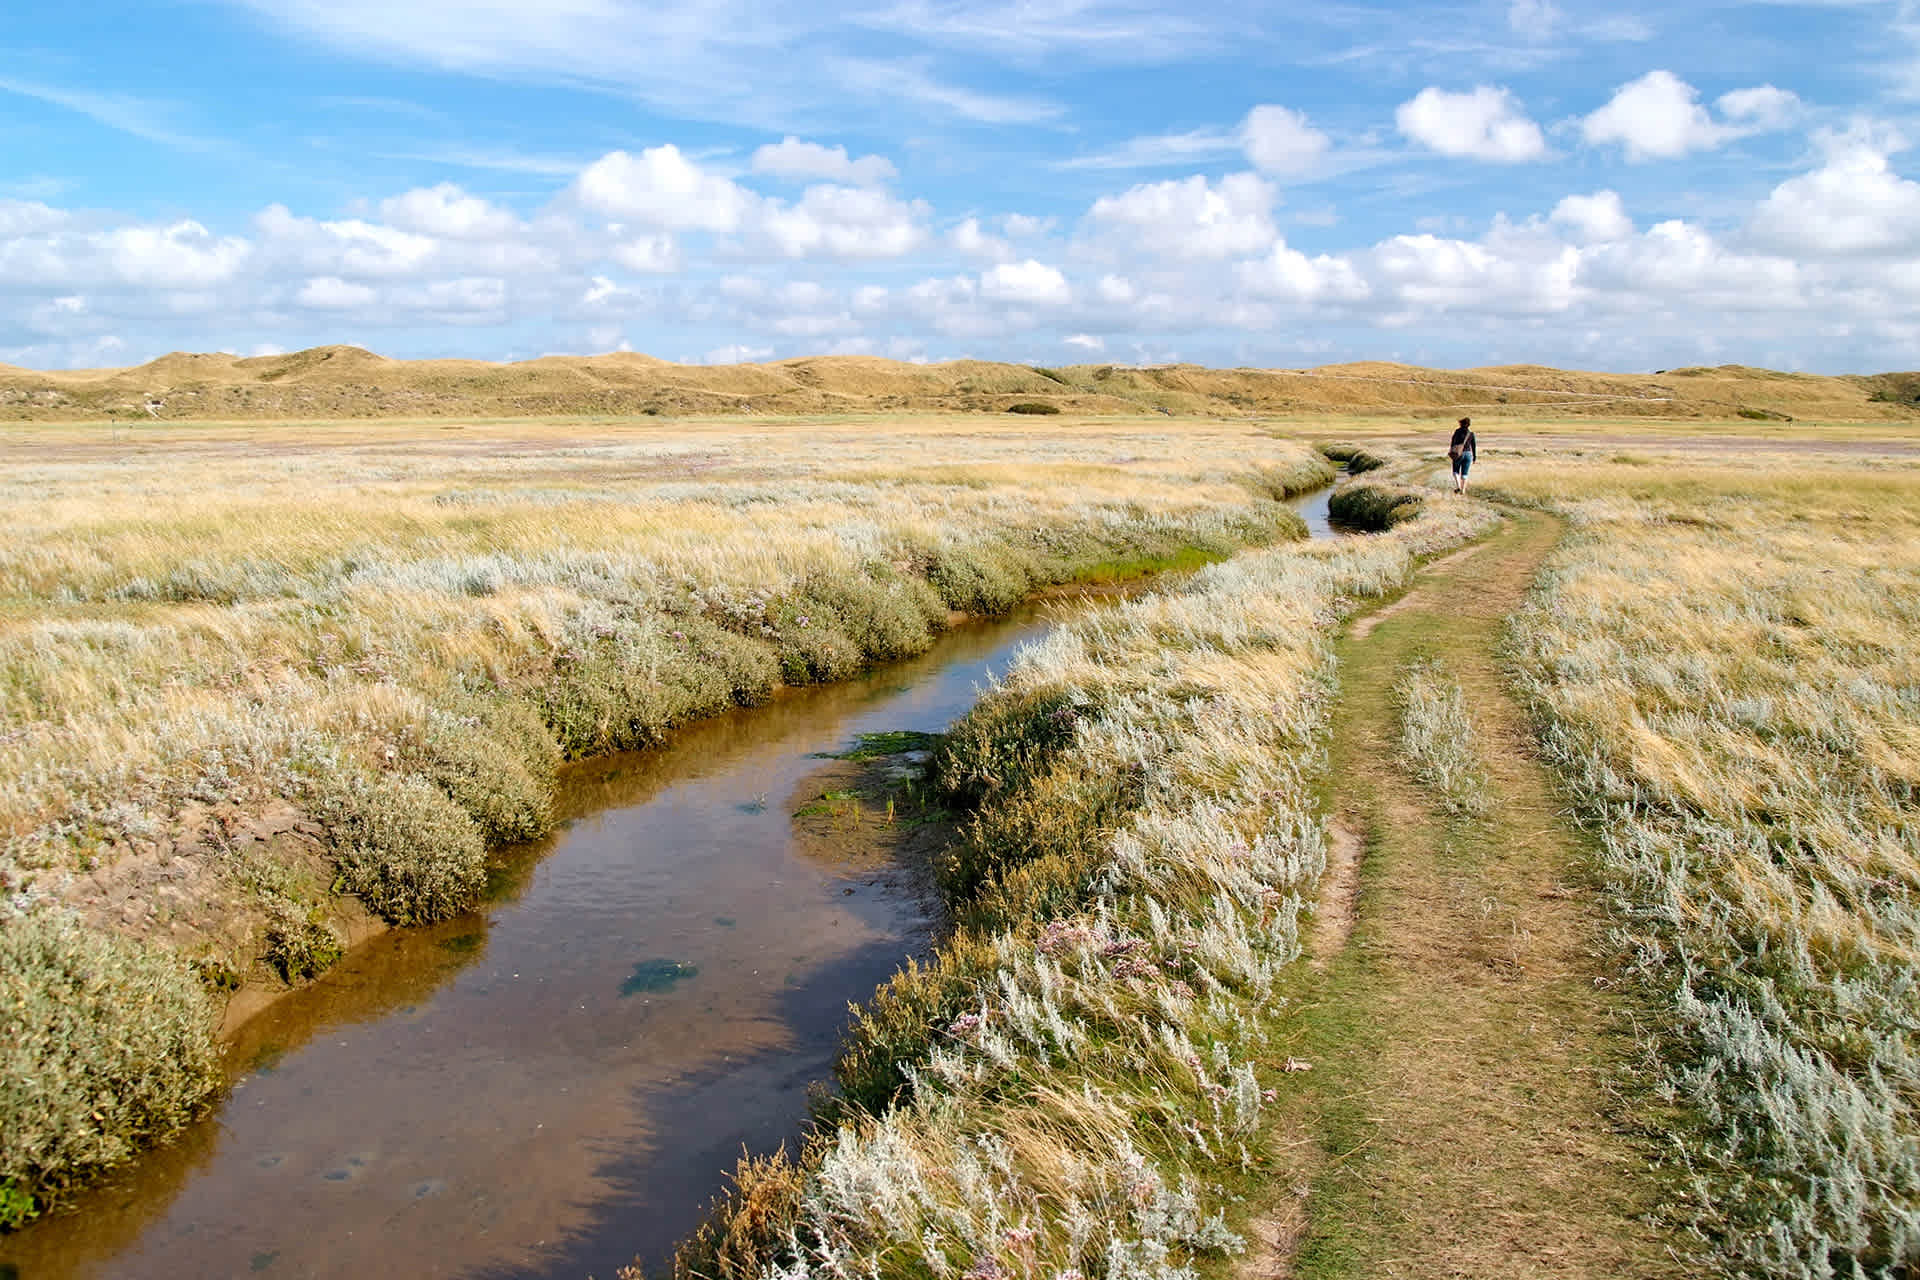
(557, 1082)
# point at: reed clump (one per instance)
(1375, 507)
(1357, 459)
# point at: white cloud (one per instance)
(1191, 217)
(656, 254)
(1279, 140)
(445, 210)
(1115, 290)
(842, 222)
(1288, 275)
(1085, 341)
(1593, 219)
(795, 159)
(181, 255)
(1021, 225)
(1761, 107)
(1677, 264)
(1030, 282)
(29, 217)
(1658, 116)
(331, 293)
(738, 354)
(349, 247)
(969, 238)
(1435, 274)
(1485, 123)
(1852, 206)
(663, 189)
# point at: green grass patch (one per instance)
(890, 742)
(1034, 407)
(1374, 507)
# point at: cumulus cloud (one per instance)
(974, 241)
(841, 222)
(348, 247)
(1085, 341)
(1191, 217)
(1279, 140)
(1761, 107)
(662, 189)
(656, 254)
(331, 293)
(809, 161)
(1288, 275)
(1593, 219)
(446, 210)
(1853, 206)
(1030, 282)
(1485, 123)
(1660, 117)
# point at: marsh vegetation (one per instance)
(256, 686)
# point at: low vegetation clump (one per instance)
(1033, 406)
(1073, 1084)
(1373, 506)
(1356, 458)
(1438, 742)
(1726, 662)
(104, 1048)
(398, 638)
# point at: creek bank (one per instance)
(1085, 1056)
(651, 986)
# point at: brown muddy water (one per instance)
(558, 1082)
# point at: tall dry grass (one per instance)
(400, 632)
(1069, 1088)
(1726, 660)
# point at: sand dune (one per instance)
(348, 382)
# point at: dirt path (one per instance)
(1454, 1120)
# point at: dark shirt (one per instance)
(1463, 442)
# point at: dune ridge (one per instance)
(350, 382)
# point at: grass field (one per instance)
(244, 672)
(256, 680)
(1726, 660)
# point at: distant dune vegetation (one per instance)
(348, 382)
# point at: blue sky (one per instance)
(1056, 181)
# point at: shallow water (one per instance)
(559, 1081)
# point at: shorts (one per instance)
(1461, 463)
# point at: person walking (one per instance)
(1460, 452)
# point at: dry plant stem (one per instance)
(1455, 1120)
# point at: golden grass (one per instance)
(1074, 1086)
(1727, 661)
(240, 666)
